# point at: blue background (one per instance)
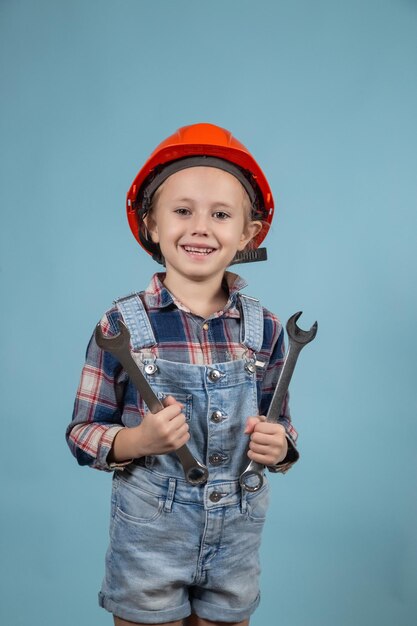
(324, 94)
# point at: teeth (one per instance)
(198, 250)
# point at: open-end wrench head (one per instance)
(296, 333)
(113, 343)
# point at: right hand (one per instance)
(158, 433)
(162, 432)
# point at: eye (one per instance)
(221, 215)
(182, 211)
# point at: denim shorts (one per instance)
(176, 549)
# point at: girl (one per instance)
(184, 553)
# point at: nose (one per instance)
(200, 225)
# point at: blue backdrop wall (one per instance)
(325, 96)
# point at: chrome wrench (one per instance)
(251, 478)
(119, 346)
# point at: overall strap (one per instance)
(137, 321)
(252, 329)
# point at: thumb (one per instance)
(169, 400)
(250, 424)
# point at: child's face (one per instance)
(200, 220)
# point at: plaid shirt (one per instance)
(106, 401)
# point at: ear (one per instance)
(152, 228)
(250, 231)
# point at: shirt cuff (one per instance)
(106, 443)
(292, 457)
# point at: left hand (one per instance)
(268, 443)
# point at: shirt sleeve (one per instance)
(274, 335)
(97, 414)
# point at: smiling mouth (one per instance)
(198, 251)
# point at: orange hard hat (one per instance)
(199, 145)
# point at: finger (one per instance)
(180, 437)
(269, 428)
(177, 422)
(175, 433)
(182, 440)
(275, 437)
(251, 423)
(169, 400)
(171, 411)
(263, 459)
(268, 454)
(260, 448)
(263, 440)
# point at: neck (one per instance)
(203, 298)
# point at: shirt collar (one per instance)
(157, 296)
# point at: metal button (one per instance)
(216, 416)
(215, 496)
(151, 368)
(249, 367)
(205, 326)
(214, 376)
(215, 459)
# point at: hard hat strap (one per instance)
(249, 256)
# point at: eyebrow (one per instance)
(215, 204)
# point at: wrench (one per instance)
(251, 478)
(195, 472)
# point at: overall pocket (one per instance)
(257, 505)
(184, 398)
(137, 505)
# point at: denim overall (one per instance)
(177, 548)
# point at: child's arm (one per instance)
(158, 433)
(103, 397)
(273, 441)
